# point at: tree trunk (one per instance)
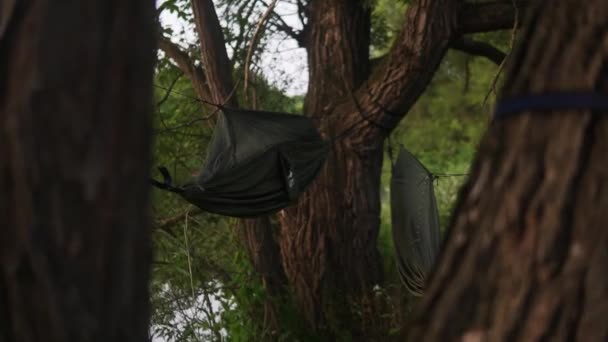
(257, 236)
(337, 42)
(259, 241)
(75, 105)
(335, 225)
(339, 244)
(527, 253)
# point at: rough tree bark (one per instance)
(75, 109)
(335, 225)
(527, 254)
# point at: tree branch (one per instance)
(169, 90)
(185, 64)
(395, 85)
(429, 29)
(237, 43)
(302, 13)
(489, 16)
(213, 52)
(254, 39)
(282, 26)
(165, 223)
(477, 48)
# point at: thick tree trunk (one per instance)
(75, 105)
(527, 254)
(335, 225)
(337, 42)
(339, 244)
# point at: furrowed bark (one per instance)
(337, 43)
(75, 124)
(429, 29)
(526, 256)
(328, 238)
(395, 85)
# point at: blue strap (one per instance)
(551, 102)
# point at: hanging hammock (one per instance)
(415, 220)
(257, 163)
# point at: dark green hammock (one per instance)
(415, 220)
(257, 163)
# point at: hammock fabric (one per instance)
(415, 220)
(257, 163)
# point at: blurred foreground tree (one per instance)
(75, 105)
(527, 253)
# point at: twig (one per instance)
(168, 91)
(189, 259)
(254, 40)
(187, 123)
(477, 48)
(281, 25)
(173, 220)
(502, 65)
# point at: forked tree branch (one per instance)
(430, 28)
(302, 12)
(282, 26)
(238, 43)
(185, 64)
(279, 23)
(477, 48)
(395, 85)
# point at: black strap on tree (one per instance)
(550, 102)
(392, 115)
(364, 118)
